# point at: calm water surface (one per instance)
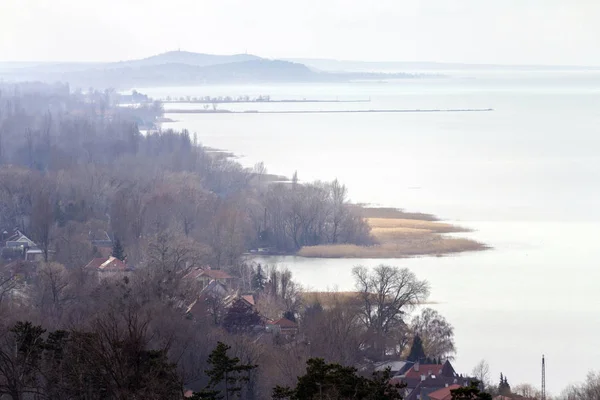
(525, 177)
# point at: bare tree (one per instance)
(482, 372)
(527, 390)
(52, 290)
(387, 293)
(8, 283)
(334, 331)
(339, 209)
(42, 220)
(436, 333)
(588, 390)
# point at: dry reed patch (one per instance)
(424, 246)
(400, 223)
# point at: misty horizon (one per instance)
(301, 59)
(531, 32)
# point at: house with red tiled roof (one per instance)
(282, 326)
(443, 393)
(418, 370)
(107, 266)
(423, 379)
(248, 298)
(206, 275)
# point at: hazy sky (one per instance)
(481, 31)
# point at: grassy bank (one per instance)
(398, 235)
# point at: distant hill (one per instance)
(177, 68)
(177, 74)
(188, 58)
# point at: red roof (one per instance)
(285, 323)
(249, 298)
(96, 263)
(424, 369)
(215, 274)
(443, 393)
(209, 273)
(107, 264)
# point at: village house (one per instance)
(107, 267)
(443, 393)
(396, 367)
(282, 326)
(17, 246)
(424, 379)
(205, 275)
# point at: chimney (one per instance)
(423, 378)
(416, 366)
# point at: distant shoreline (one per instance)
(200, 101)
(328, 111)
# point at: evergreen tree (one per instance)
(118, 251)
(337, 382)
(503, 386)
(471, 392)
(226, 375)
(416, 351)
(290, 315)
(258, 279)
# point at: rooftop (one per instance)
(107, 264)
(443, 393)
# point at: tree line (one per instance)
(71, 164)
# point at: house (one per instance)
(19, 246)
(107, 266)
(417, 370)
(421, 389)
(35, 254)
(395, 366)
(443, 393)
(282, 326)
(211, 301)
(423, 379)
(248, 298)
(206, 275)
(18, 239)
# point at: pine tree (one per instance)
(259, 279)
(503, 386)
(118, 251)
(416, 351)
(226, 375)
(335, 381)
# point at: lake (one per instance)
(524, 177)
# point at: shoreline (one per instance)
(396, 233)
(390, 111)
(400, 235)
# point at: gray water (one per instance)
(524, 177)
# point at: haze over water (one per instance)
(524, 176)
